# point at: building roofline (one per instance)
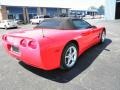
(31, 6)
(32, 3)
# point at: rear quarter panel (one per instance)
(51, 47)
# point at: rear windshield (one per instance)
(64, 24)
(51, 24)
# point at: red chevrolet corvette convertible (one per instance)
(54, 43)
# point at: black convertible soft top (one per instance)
(58, 23)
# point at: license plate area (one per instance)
(14, 49)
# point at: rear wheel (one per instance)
(69, 56)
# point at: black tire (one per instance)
(16, 27)
(32, 23)
(64, 66)
(39, 22)
(102, 37)
(5, 27)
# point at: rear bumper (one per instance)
(46, 55)
(15, 26)
(28, 56)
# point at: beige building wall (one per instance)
(3, 13)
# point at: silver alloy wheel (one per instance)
(103, 36)
(71, 56)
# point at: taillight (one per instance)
(32, 44)
(4, 37)
(23, 43)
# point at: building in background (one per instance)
(25, 11)
(77, 13)
(83, 13)
(112, 9)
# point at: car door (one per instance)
(96, 33)
(92, 30)
(85, 31)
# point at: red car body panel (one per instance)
(49, 44)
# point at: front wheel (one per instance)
(103, 37)
(69, 56)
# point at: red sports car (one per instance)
(55, 43)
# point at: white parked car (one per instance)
(18, 21)
(8, 24)
(37, 19)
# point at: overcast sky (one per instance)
(75, 4)
(80, 4)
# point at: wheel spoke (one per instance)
(74, 53)
(70, 50)
(73, 58)
(70, 61)
(67, 57)
(103, 36)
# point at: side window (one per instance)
(81, 24)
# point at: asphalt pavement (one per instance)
(97, 69)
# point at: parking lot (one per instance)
(97, 69)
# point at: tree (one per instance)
(92, 8)
(101, 10)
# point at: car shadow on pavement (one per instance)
(84, 61)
